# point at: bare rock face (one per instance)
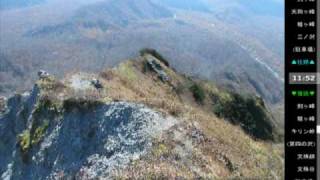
(37, 142)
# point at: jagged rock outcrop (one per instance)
(84, 144)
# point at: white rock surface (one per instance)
(82, 145)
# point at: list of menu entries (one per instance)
(301, 92)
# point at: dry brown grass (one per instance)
(227, 151)
(230, 151)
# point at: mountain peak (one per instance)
(135, 118)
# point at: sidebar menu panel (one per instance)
(318, 89)
(301, 90)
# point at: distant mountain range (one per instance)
(227, 42)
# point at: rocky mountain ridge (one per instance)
(137, 125)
